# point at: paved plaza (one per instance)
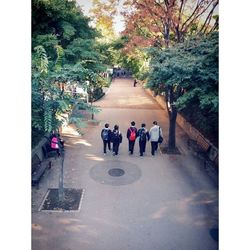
(165, 202)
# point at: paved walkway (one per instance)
(160, 203)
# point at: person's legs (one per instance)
(132, 146)
(118, 144)
(141, 148)
(109, 147)
(115, 148)
(104, 147)
(153, 147)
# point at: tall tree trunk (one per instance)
(172, 114)
(172, 125)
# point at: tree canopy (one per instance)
(64, 51)
(190, 69)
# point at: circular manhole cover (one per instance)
(116, 172)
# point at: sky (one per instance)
(118, 22)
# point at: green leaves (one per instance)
(60, 54)
(42, 59)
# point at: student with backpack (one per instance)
(143, 135)
(155, 133)
(131, 135)
(116, 139)
(106, 137)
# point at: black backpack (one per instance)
(115, 136)
(143, 136)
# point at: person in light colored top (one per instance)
(154, 134)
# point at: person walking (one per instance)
(116, 139)
(155, 132)
(106, 138)
(135, 82)
(131, 135)
(143, 135)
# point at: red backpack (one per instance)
(132, 136)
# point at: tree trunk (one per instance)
(172, 114)
(172, 125)
(166, 34)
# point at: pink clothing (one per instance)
(54, 143)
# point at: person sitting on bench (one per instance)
(56, 142)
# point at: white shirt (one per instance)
(154, 133)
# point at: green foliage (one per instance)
(64, 51)
(41, 60)
(190, 70)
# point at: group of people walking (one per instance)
(154, 135)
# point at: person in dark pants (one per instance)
(154, 134)
(135, 82)
(143, 135)
(116, 139)
(131, 135)
(106, 138)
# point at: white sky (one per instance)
(118, 21)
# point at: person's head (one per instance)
(155, 122)
(143, 125)
(106, 125)
(132, 123)
(116, 127)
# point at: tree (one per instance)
(163, 25)
(103, 13)
(64, 51)
(186, 74)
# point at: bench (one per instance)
(40, 164)
(38, 169)
(200, 148)
(48, 151)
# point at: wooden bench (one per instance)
(48, 151)
(40, 164)
(200, 147)
(38, 169)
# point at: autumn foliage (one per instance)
(162, 23)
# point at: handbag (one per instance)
(160, 140)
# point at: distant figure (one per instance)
(106, 138)
(116, 139)
(143, 135)
(155, 132)
(131, 135)
(135, 82)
